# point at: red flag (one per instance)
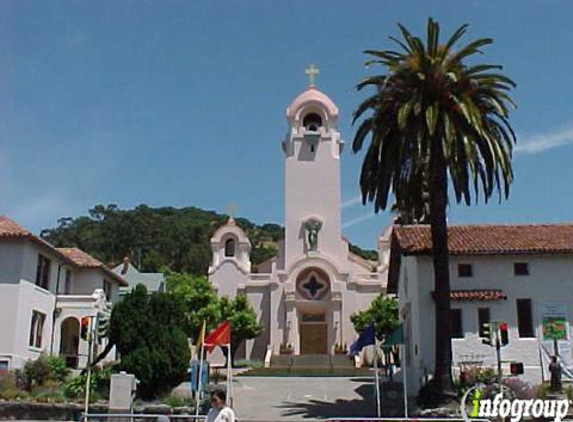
(220, 336)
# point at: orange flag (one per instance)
(220, 336)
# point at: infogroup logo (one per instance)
(515, 409)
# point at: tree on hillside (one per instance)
(383, 312)
(433, 118)
(149, 333)
(243, 320)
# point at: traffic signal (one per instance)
(516, 368)
(85, 328)
(486, 333)
(503, 333)
(102, 325)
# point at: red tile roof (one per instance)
(84, 260)
(80, 258)
(477, 295)
(489, 239)
(9, 229)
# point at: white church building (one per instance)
(304, 296)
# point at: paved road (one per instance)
(300, 399)
(293, 398)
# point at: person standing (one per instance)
(219, 411)
(555, 370)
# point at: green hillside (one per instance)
(156, 237)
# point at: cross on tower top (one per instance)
(312, 71)
(231, 209)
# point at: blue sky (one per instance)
(183, 102)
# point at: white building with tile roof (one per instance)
(44, 293)
(519, 274)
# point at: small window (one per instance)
(483, 318)
(465, 270)
(456, 321)
(37, 329)
(230, 248)
(43, 272)
(521, 268)
(68, 285)
(524, 318)
(107, 288)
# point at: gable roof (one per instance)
(82, 259)
(489, 239)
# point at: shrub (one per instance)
(75, 388)
(8, 388)
(35, 373)
(471, 375)
(57, 369)
(175, 400)
(568, 391)
(49, 392)
(521, 389)
(542, 390)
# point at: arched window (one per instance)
(312, 121)
(230, 247)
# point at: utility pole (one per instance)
(498, 353)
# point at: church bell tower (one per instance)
(312, 150)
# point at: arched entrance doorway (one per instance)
(70, 341)
(313, 288)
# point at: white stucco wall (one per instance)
(19, 297)
(549, 281)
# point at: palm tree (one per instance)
(434, 120)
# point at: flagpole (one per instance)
(376, 380)
(404, 378)
(200, 375)
(229, 377)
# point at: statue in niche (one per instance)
(312, 228)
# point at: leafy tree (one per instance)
(149, 332)
(383, 312)
(434, 119)
(243, 320)
(199, 300)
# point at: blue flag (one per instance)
(366, 338)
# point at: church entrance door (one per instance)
(313, 335)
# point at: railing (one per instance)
(131, 416)
(411, 419)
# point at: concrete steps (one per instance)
(311, 361)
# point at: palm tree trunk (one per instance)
(439, 229)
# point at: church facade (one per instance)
(303, 296)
